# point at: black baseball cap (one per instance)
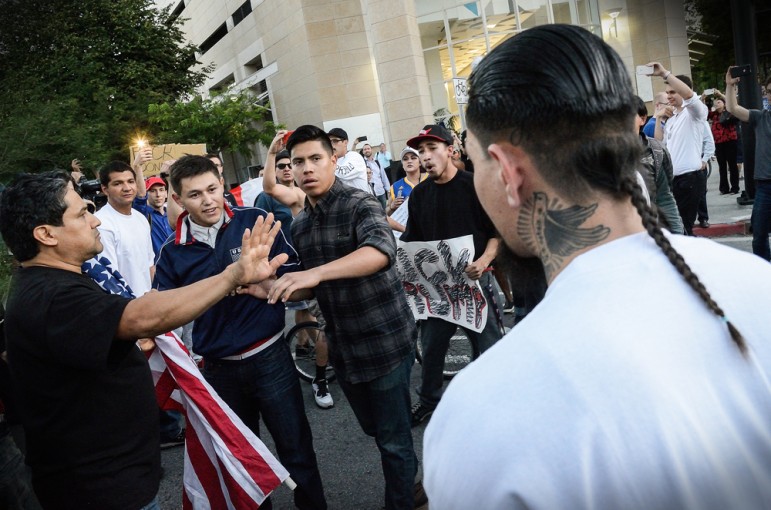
(338, 133)
(431, 132)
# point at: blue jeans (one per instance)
(15, 484)
(435, 337)
(761, 219)
(266, 384)
(382, 407)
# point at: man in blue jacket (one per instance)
(246, 359)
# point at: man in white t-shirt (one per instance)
(683, 136)
(640, 381)
(351, 168)
(125, 232)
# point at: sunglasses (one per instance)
(284, 166)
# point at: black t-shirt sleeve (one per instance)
(83, 324)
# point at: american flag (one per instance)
(247, 193)
(226, 465)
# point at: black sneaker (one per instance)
(321, 394)
(171, 442)
(509, 307)
(420, 413)
(421, 498)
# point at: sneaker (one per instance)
(321, 394)
(509, 307)
(170, 442)
(704, 224)
(420, 413)
(301, 351)
(421, 498)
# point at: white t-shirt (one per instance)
(620, 390)
(127, 244)
(684, 135)
(352, 170)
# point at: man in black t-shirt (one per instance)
(445, 206)
(84, 389)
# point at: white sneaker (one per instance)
(321, 394)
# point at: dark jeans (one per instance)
(435, 337)
(726, 158)
(15, 484)
(761, 219)
(383, 199)
(688, 190)
(266, 384)
(382, 407)
(171, 424)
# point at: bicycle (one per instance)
(306, 363)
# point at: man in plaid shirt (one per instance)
(348, 253)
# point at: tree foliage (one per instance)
(77, 76)
(229, 122)
(712, 19)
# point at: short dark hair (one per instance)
(190, 166)
(639, 105)
(284, 154)
(114, 167)
(685, 79)
(309, 133)
(29, 201)
(214, 155)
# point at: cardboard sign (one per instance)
(434, 279)
(166, 152)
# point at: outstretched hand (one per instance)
(291, 282)
(254, 265)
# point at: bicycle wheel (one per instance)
(460, 353)
(306, 362)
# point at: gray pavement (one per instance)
(723, 209)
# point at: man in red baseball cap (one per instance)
(152, 204)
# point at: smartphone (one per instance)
(645, 70)
(362, 138)
(708, 92)
(286, 136)
(739, 71)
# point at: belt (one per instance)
(254, 348)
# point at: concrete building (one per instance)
(384, 68)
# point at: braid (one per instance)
(649, 219)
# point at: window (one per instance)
(213, 39)
(242, 12)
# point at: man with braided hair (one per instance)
(641, 379)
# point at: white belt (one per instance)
(251, 352)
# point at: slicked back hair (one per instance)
(564, 96)
(29, 201)
(190, 166)
(309, 133)
(113, 167)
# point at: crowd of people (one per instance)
(638, 381)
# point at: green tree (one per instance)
(711, 21)
(77, 76)
(228, 122)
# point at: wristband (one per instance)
(666, 75)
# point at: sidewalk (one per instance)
(726, 217)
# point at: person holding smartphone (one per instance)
(760, 120)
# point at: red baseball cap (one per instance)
(153, 181)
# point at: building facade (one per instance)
(384, 68)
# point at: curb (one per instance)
(740, 228)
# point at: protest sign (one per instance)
(434, 279)
(400, 216)
(167, 152)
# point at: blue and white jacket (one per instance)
(237, 322)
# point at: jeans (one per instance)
(688, 189)
(435, 337)
(382, 408)
(15, 484)
(170, 424)
(266, 384)
(761, 219)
